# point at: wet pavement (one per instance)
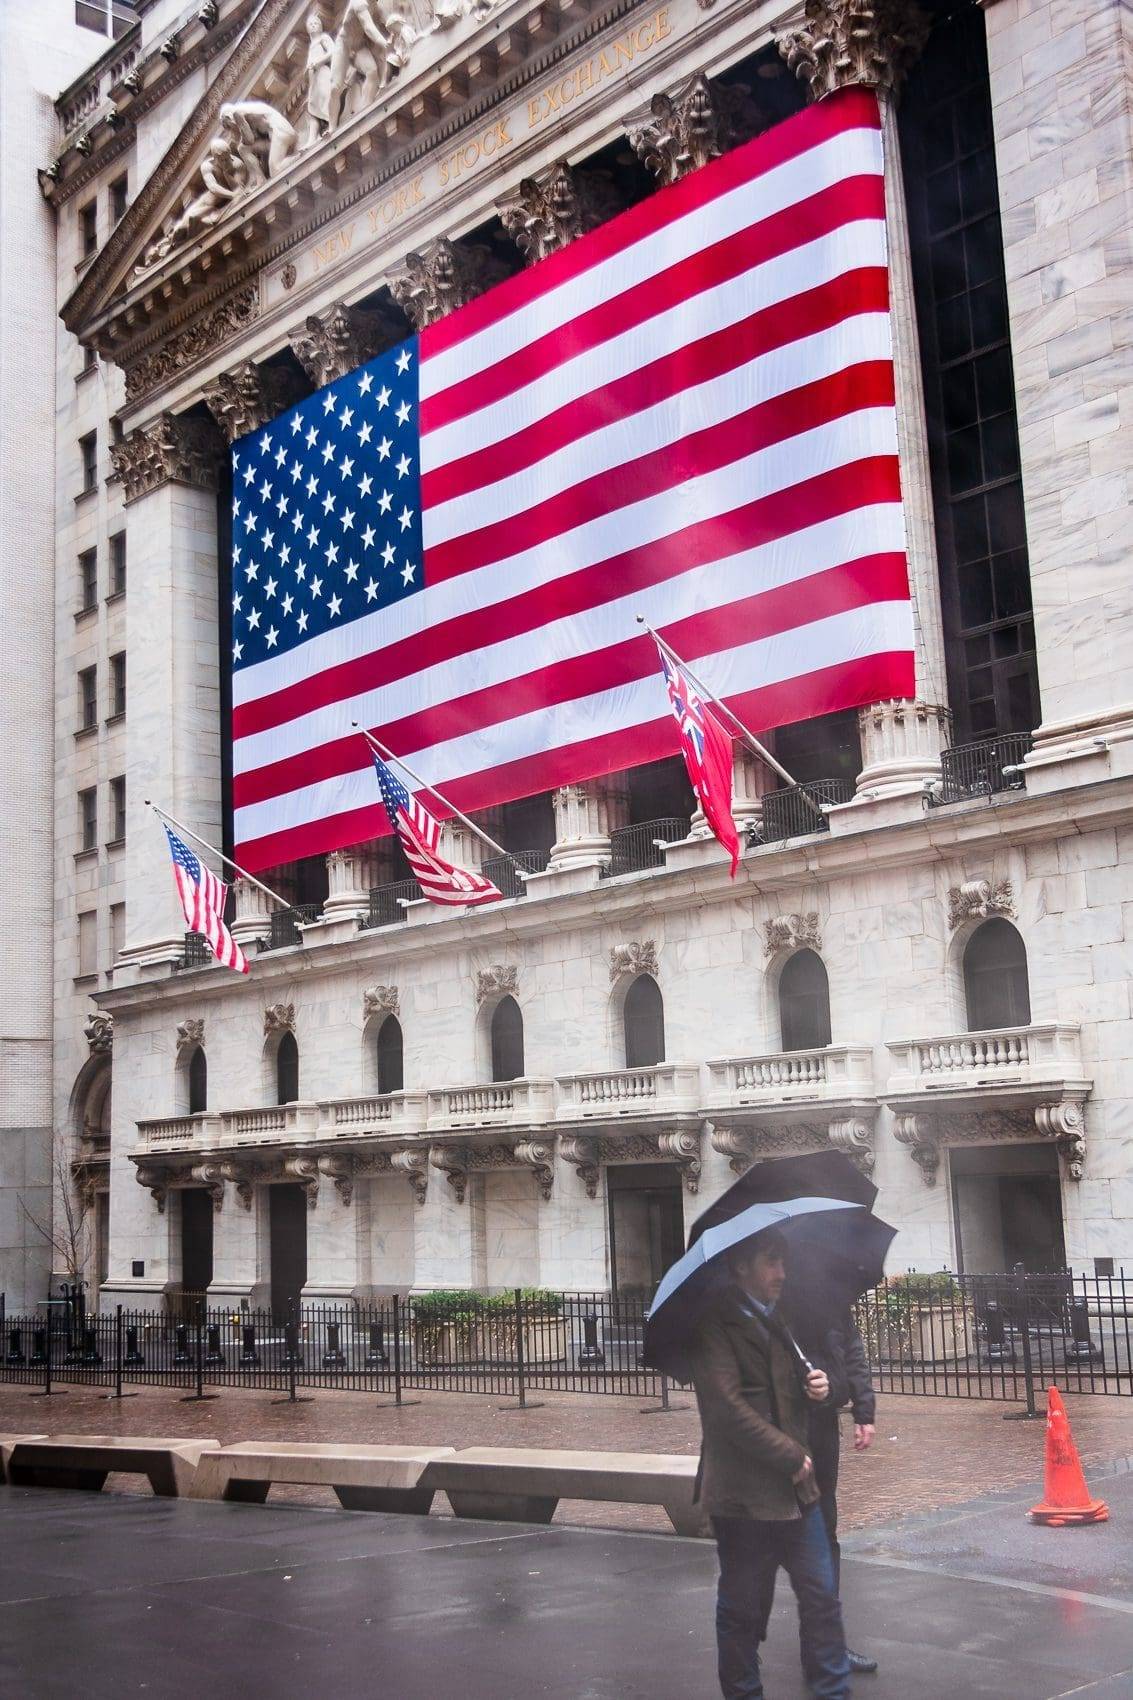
(119, 1595)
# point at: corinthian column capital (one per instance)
(848, 43)
(698, 121)
(248, 397)
(330, 344)
(171, 450)
(446, 275)
(550, 210)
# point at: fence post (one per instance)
(46, 1390)
(291, 1335)
(118, 1352)
(396, 1350)
(519, 1365)
(1024, 1315)
(199, 1396)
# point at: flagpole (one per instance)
(388, 755)
(219, 854)
(749, 737)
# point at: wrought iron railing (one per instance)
(386, 902)
(633, 849)
(196, 953)
(982, 770)
(502, 870)
(284, 925)
(797, 810)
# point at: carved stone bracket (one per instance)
(243, 1178)
(501, 980)
(156, 1180)
(682, 1146)
(1065, 1123)
(916, 1132)
(539, 1154)
(975, 900)
(855, 1137)
(333, 343)
(98, 1032)
(170, 451)
(452, 1161)
(305, 1170)
(212, 1177)
(413, 1162)
(791, 932)
(548, 211)
(697, 122)
(279, 1018)
(377, 1000)
(582, 1155)
(339, 1168)
(190, 1034)
(843, 43)
(637, 957)
(242, 400)
(737, 1145)
(444, 276)
(211, 331)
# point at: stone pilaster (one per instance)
(169, 471)
(248, 397)
(548, 211)
(328, 345)
(443, 276)
(844, 44)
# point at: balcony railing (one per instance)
(387, 902)
(386, 1112)
(196, 953)
(625, 1092)
(1046, 1050)
(633, 849)
(502, 870)
(506, 1102)
(284, 925)
(834, 1072)
(982, 770)
(798, 810)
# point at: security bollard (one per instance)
(134, 1358)
(214, 1354)
(38, 1346)
(999, 1348)
(181, 1353)
(249, 1356)
(334, 1357)
(291, 1352)
(1080, 1345)
(377, 1357)
(91, 1353)
(15, 1346)
(591, 1353)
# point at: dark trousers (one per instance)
(750, 1552)
(823, 1440)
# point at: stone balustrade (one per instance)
(1040, 1055)
(615, 1094)
(508, 1103)
(790, 1076)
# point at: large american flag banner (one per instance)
(687, 414)
(203, 897)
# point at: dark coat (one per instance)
(842, 1355)
(753, 1411)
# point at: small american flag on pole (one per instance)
(202, 899)
(420, 837)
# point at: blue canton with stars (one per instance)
(326, 510)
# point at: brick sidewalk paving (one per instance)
(928, 1452)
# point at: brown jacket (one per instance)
(753, 1411)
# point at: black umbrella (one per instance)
(835, 1250)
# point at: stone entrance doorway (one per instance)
(1008, 1208)
(196, 1240)
(646, 1224)
(288, 1229)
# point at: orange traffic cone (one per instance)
(1066, 1498)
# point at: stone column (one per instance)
(350, 875)
(751, 778)
(253, 913)
(1062, 113)
(843, 45)
(338, 1235)
(169, 472)
(241, 1260)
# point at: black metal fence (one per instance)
(796, 810)
(1002, 1337)
(983, 769)
(635, 848)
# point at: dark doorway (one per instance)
(996, 986)
(644, 1019)
(804, 1003)
(647, 1230)
(287, 1070)
(391, 1068)
(1008, 1209)
(196, 1240)
(507, 1041)
(198, 1082)
(288, 1217)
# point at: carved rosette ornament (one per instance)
(855, 1138)
(791, 932)
(1066, 1125)
(339, 1168)
(737, 1145)
(156, 1181)
(333, 343)
(582, 1155)
(170, 451)
(452, 1162)
(98, 1032)
(637, 957)
(501, 980)
(848, 43)
(446, 275)
(548, 211)
(697, 122)
(539, 1154)
(243, 400)
(380, 1000)
(413, 1162)
(190, 1034)
(279, 1018)
(915, 1131)
(975, 900)
(305, 1170)
(683, 1147)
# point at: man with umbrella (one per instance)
(715, 1321)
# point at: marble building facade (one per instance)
(936, 981)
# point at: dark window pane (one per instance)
(1007, 527)
(804, 1003)
(981, 718)
(977, 650)
(988, 306)
(287, 1070)
(1012, 584)
(391, 1066)
(977, 183)
(980, 683)
(976, 607)
(939, 139)
(995, 978)
(953, 328)
(993, 382)
(198, 1082)
(507, 1041)
(948, 265)
(969, 530)
(644, 1020)
(1005, 641)
(965, 468)
(1022, 701)
(958, 397)
(1000, 448)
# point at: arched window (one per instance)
(287, 1070)
(995, 978)
(391, 1072)
(804, 1003)
(198, 1081)
(643, 1016)
(507, 1041)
